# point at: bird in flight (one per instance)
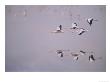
(82, 52)
(81, 31)
(75, 56)
(90, 21)
(74, 26)
(78, 30)
(60, 53)
(58, 29)
(91, 58)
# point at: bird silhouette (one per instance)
(74, 26)
(91, 58)
(90, 21)
(60, 53)
(81, 31)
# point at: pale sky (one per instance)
(30, 45)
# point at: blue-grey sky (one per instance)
(30, 44)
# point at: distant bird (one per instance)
(81, 31)
(91, 58)
(60, 53)
(82, 52)
(59, 29)
(74, 26)
(75, 56)
(90, 21)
